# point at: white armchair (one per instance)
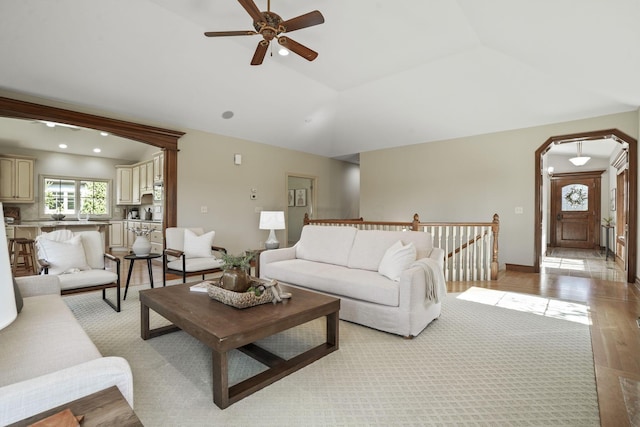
(78, 259)
(190, 252)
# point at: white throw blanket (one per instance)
(434, 278)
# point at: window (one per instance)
(70, 196)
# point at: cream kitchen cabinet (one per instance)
(16, 179)
(124, 185)
(135, 185)
(158, 167)
(146, 177)
(116, 234)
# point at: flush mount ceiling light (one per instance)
(54, 124)
(62, 145)
(579, 160)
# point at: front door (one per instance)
(575, 210)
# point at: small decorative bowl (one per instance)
(58, 217)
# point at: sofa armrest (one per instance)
(26, 398)
(275, 255)
(31, 286)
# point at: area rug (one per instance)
(476, 365)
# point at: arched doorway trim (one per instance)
(618, 136)
(165, 139)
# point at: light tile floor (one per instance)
(582, 263)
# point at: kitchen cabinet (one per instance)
(124, 185)
(16, 179)
(135, 185)
(149, 178)
(146, 177)
(116, 234)
(158, 167)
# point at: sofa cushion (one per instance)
(328, 244)
(198, 246)
(63, 256)
(352, 283)
(93, 245)
(86, 278)
(369, 246)
(195, 264)
(396, 259)
(45, 337)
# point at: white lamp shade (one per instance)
(272, 220)
(8, 311)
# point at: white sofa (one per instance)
(344, 262)
(47, 359)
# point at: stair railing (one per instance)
(471, 248)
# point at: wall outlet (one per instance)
(204, 209)
(519, 210)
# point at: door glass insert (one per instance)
(575, 198)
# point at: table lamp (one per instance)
(8, 311)
(272, 220)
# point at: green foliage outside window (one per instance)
(65, 195)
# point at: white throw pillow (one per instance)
(64, 256)
(198, 246)
(396, 259)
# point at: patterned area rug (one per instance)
(476, 365)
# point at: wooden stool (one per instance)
(24, 256)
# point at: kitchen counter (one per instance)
(57, 224)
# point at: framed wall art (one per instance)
(292, 197)
(301, 197)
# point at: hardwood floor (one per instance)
(613, 307)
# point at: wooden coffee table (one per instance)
(224, 328)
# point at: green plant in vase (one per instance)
(235, 276)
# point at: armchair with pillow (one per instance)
(78, 259)
(190, 252)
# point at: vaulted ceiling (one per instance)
(389, 73)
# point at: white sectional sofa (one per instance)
(345, 262)
(47, 359)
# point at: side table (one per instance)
(256, 260)
(132, 258)
(104, 408)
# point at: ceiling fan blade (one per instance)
(229, 33)
(252, 10)
(260, 52)
(303, 21)
(297, 48)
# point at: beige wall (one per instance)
(470, 179)
(207, 176)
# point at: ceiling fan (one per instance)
(270, 26)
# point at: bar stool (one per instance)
(24, 256)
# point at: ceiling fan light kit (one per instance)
(270, 26)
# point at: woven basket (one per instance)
(238, 299)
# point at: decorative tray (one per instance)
(238, 299)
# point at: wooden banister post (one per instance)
(306, 218)
(416, 222)
(495, 228)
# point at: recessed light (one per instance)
(227, 114)
(283, 52)
(96, 150)
(104, 133)
(62, 145)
